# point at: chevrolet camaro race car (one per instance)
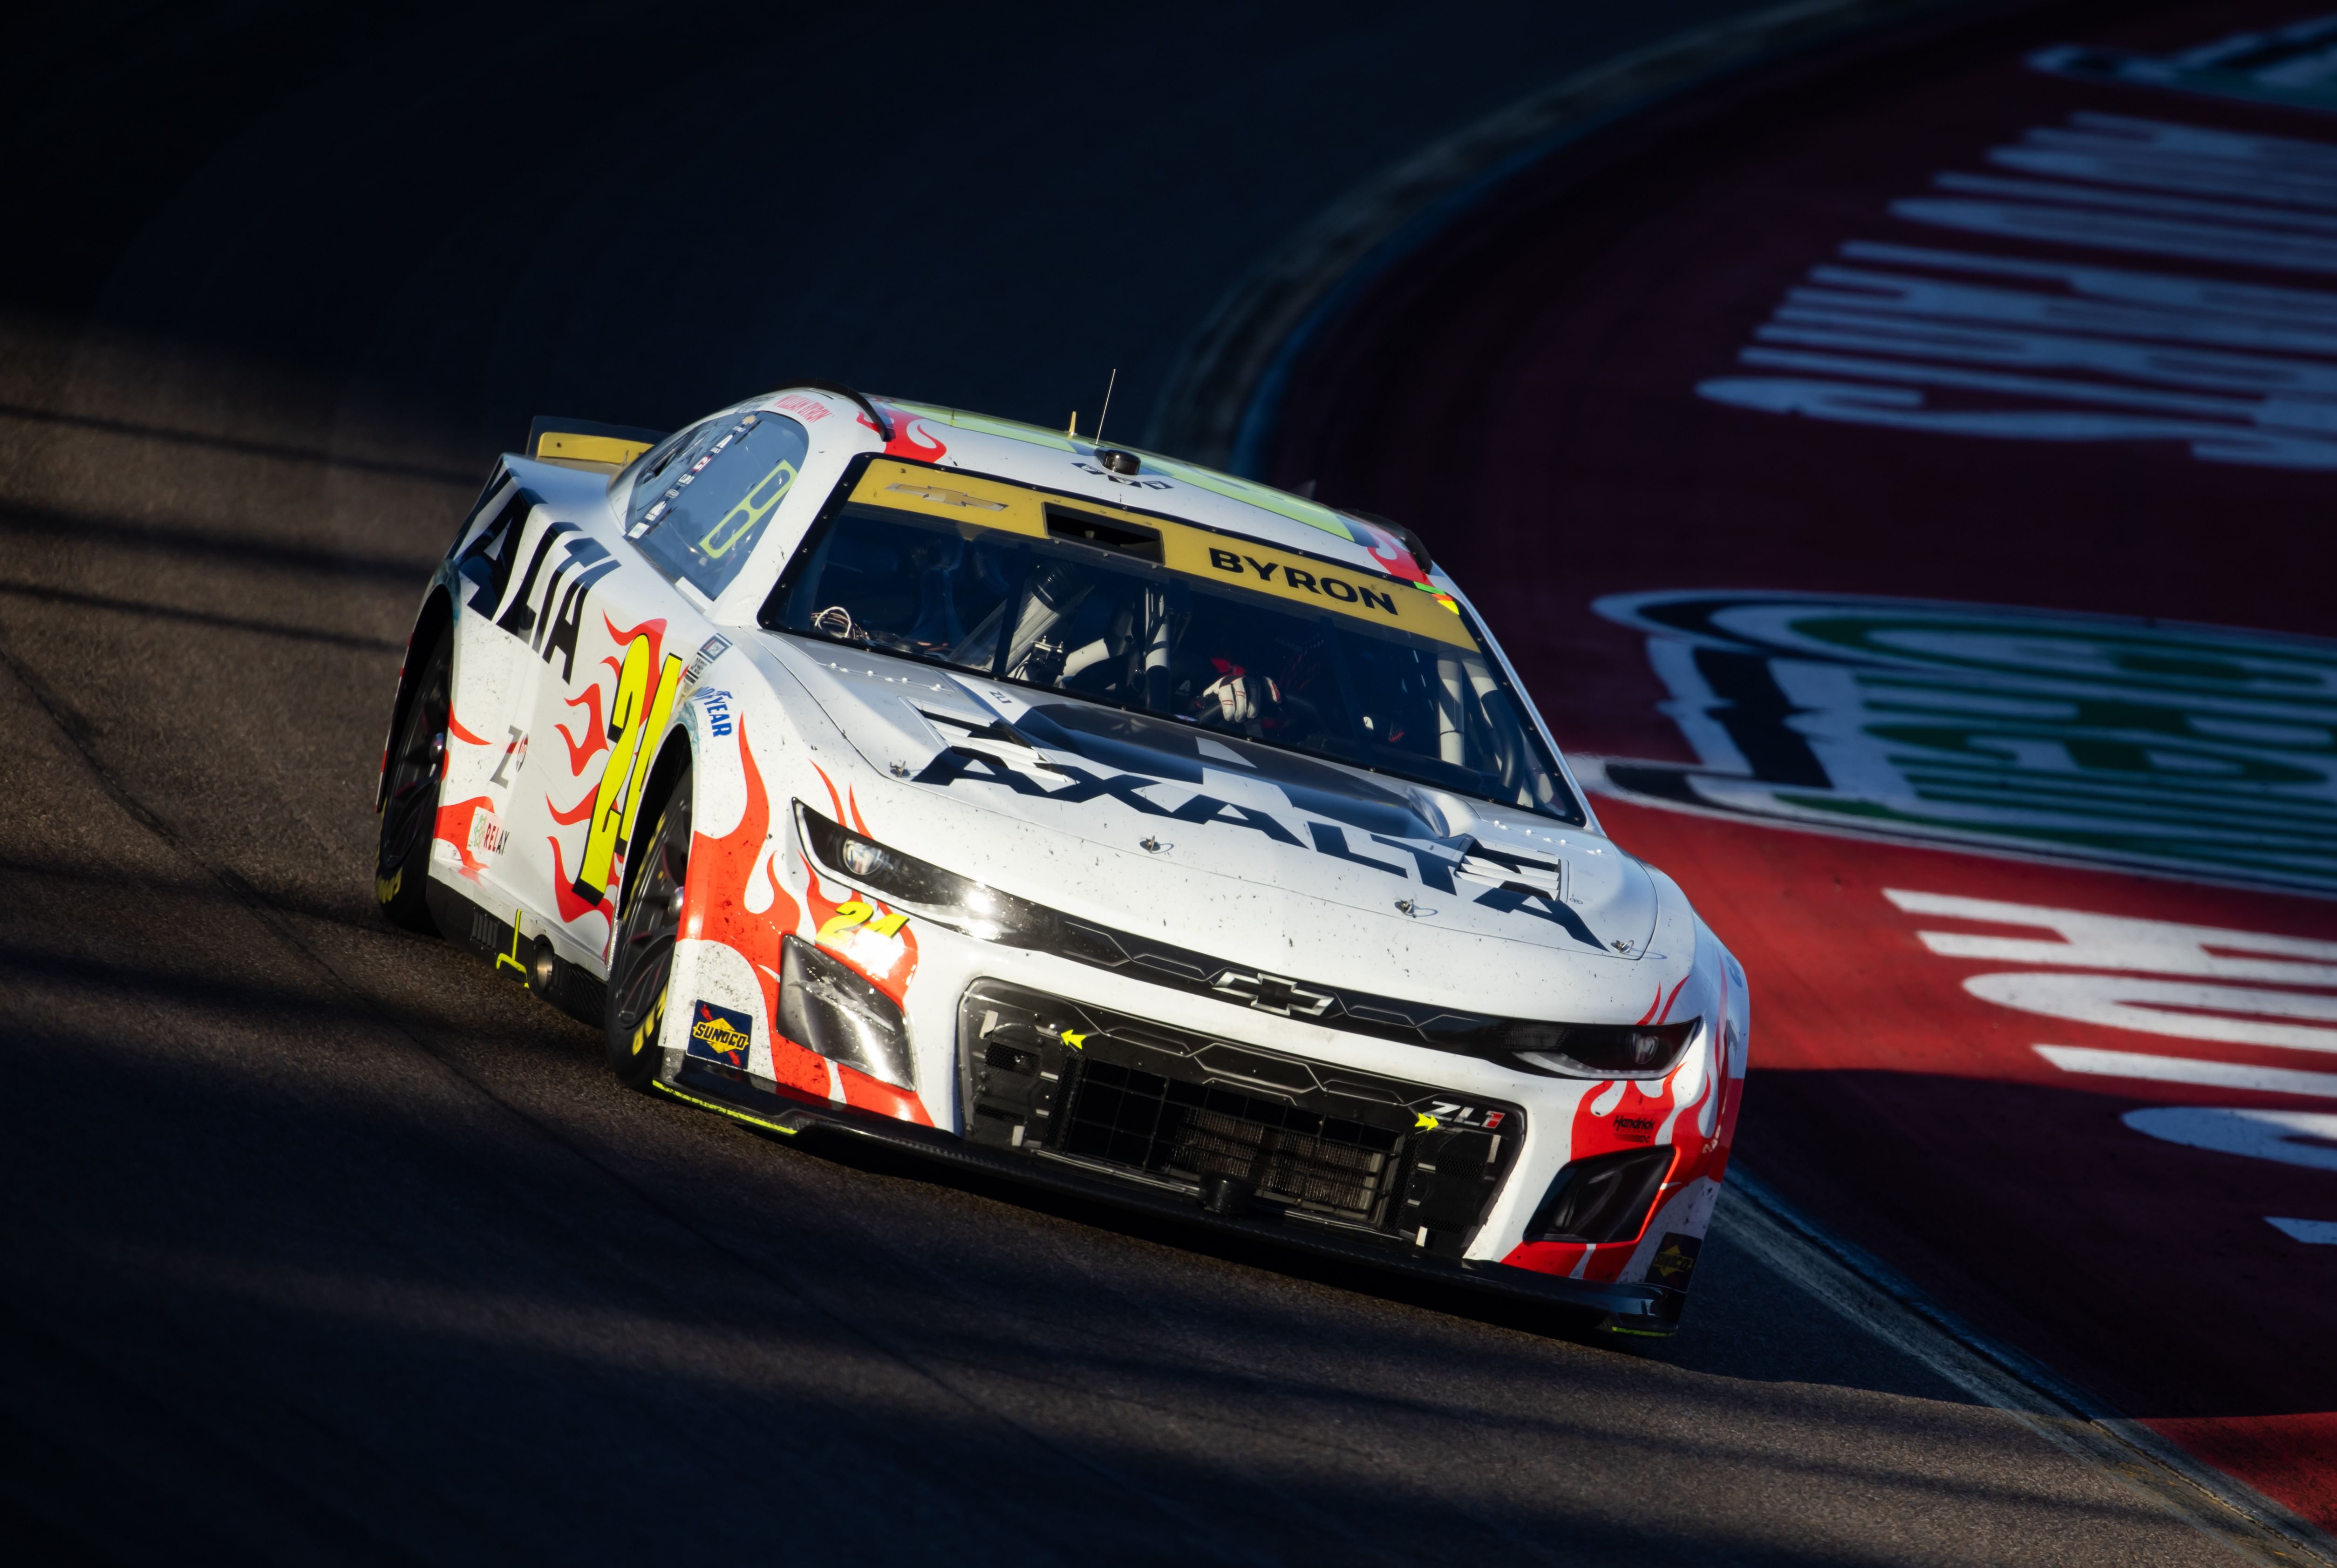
(1076, 813)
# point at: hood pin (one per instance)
(1406, 907)
(1152, 844)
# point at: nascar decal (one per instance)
(2127, 744)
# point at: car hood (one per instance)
(1173, 795)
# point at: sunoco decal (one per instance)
(719, 1034)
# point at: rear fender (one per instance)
(437, 614)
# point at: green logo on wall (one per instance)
(2192, 750)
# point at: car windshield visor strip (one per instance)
(1530, 1046)
(1240, 1130)
(1155, 616)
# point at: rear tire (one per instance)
(409, 813)
(640, 960)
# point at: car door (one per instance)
(619, 640)
(533, 558)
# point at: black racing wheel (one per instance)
(409, 813)
(640, 960)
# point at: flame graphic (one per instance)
(655, 630)
(577, 813)
(714, 910)
(1389, 552)
(888, 963)
(906, 429)
(571, 907)
(596, 738)
(1597, 1132)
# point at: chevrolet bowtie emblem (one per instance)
(1271, 994)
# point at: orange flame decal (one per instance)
(577, 813)
(714, 910)
(596, 738)
(887, 963)
(906, 428)
(571, 907)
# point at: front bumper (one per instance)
(1645, 1309)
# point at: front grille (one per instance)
(1294, 1139)
(1284, 1154)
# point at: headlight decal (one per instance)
(870, 936)
(739, 898)
(1624, 1131)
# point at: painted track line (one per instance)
(1885, 1303)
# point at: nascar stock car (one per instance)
(1076, 813)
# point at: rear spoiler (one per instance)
(556, 440)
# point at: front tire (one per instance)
(409, 811)
(640, 960)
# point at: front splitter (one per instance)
(1636, 1310)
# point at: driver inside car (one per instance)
(1236, 699)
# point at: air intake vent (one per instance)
(1283, 1154)
(1602, 1199)
(1103, 533)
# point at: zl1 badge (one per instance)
(719, 1034)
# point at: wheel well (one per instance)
(673, 758)
(437, 614)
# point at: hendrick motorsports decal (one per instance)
(2196, 750)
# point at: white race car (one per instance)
(1084, 815)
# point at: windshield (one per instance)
(1145, 613)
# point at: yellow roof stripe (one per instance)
(1228, 559)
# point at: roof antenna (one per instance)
(1074, 430)
(1106, 403)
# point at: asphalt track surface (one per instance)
(319, 1243)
